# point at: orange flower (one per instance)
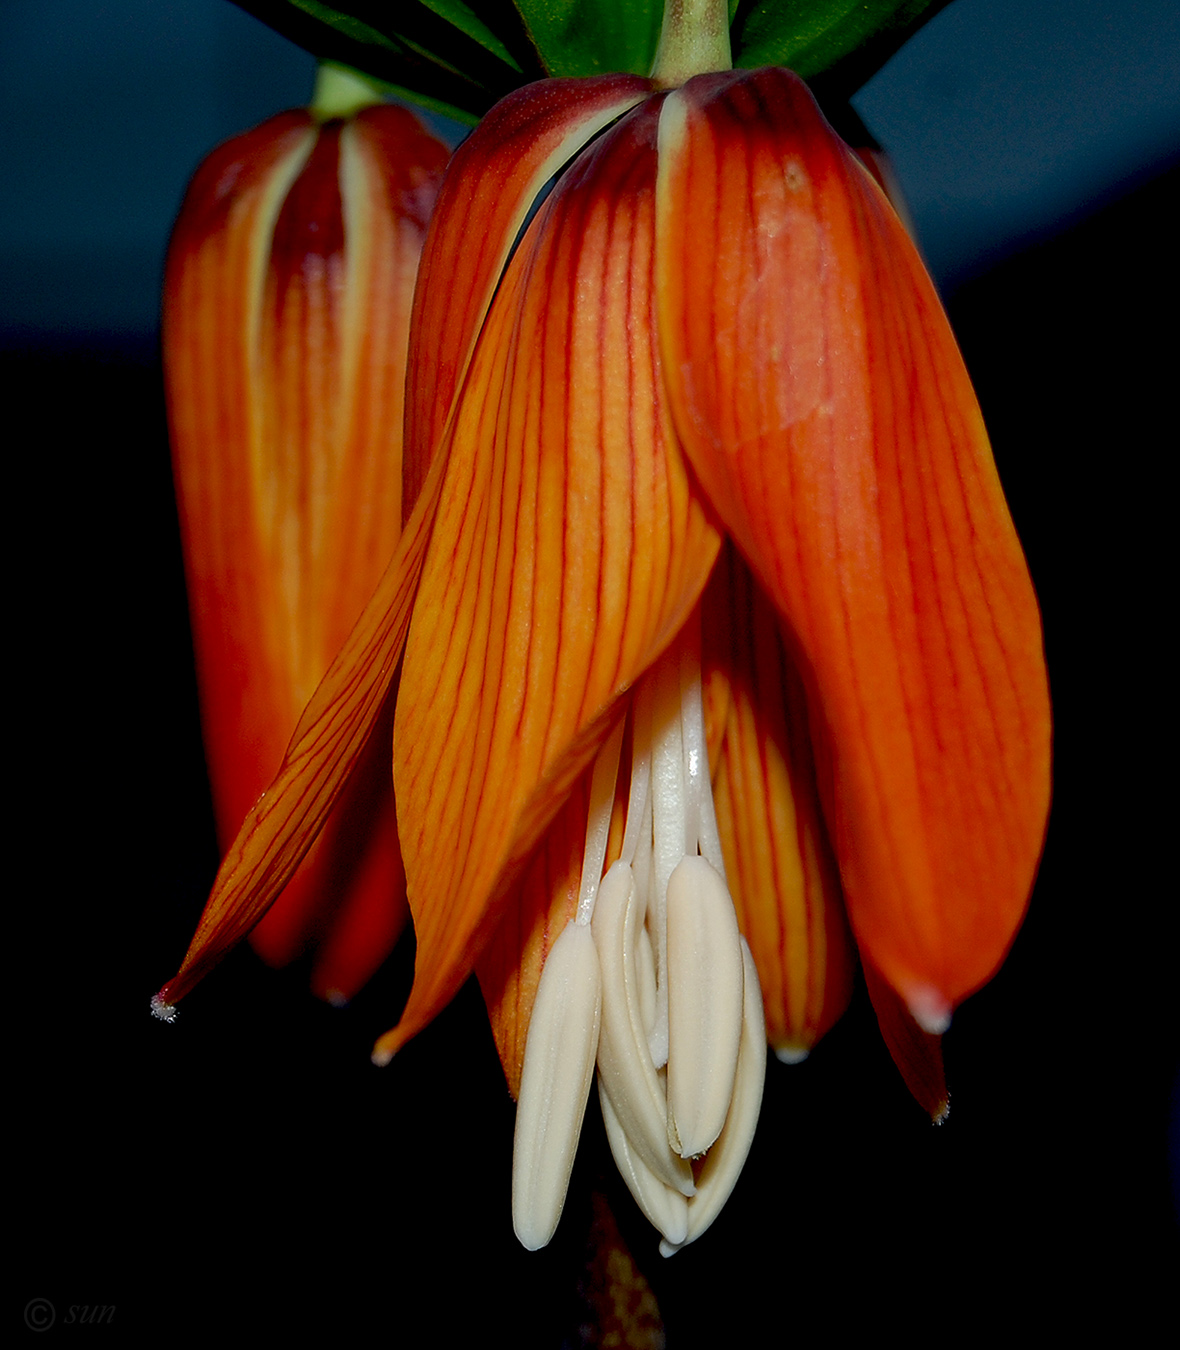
(286, 317)
(715, 326)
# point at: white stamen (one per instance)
(625, 1067)
(724, 1161)
(704, 1006)
(665, 1208)
(555, 1084)
(645, 972)
(669, 829)
(602, 802)
(639, 800)
(702, 815)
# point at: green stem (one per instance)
(340, 92)
(694, 39)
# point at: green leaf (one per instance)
(456, 57)
(461, 56)
(815, 37)
(346, 24)
(467, 21)
(593, 37)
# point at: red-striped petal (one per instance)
(779, 864)
(570, 546)
(287, 309)
(819, 394)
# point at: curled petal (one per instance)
(570, 546)
(820, 396)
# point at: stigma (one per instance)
(651, 984)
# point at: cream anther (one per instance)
(665, 1208)
(723, 1163)
(555, 1084)
(704, 1006)
(626, 1072)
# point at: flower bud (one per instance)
(286, 317)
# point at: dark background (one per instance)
(247, 1168)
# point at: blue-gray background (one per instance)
(1006, 118)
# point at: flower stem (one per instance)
(694, 39)
(340, 92)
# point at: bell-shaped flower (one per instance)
(713, 328)
(286, 320)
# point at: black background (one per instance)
(247, 1169)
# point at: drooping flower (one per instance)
(286, 319)
(714, 326)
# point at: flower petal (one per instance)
(449, 313)
(782, 875)
(327, 744)
(544, 903)
(569, 548)
(821, 399)
(287, 313)
(917, 1053)
(216, 275)
(492, 184)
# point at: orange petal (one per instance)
(570, 547)
(492, 183)
(917, 1053)
(781, 872)
(347, 705)
(535, 917)
(328, 743)
(213, 294)
(286, 323)
(371, 913)
(822, 400)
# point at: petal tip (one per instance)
(791, 1054)
(929, 1009)
(162, 1010)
